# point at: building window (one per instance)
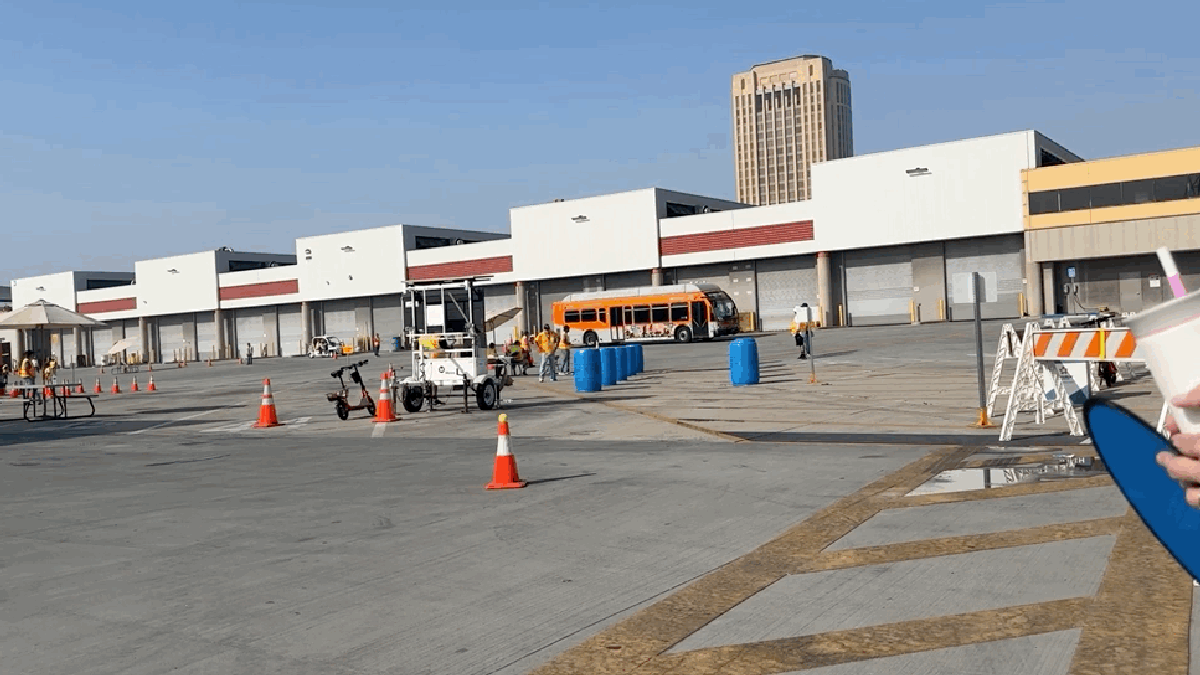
(1145, 191)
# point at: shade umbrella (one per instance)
(500, 319)
(123, 345)
(42, 315)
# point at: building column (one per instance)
(825, 289)
(656, 277)
(219, 323)
(78, 345)
(1033, 287)
(306, 327)
(144, 336)
(523, 316)
(20, 348)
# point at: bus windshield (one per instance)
(722, 307)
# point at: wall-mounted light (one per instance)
(40, 288)
(917, 171)
(580, 219)
(173, 271)
(348, 249)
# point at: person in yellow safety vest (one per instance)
(49, 371)
(800, 325)
(547, 342)
(564, 350)
(432, 344)
(27, 371)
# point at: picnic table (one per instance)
(54, 406)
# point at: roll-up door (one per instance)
(102, 340)
(171, 338)
(130, 326)
(1000, 262)
(249, 328)
(620, 280)
(291, 330)
(68, 347)
(704, 274)
(497, 299)
(878, 286)
(784, 283)
(339, 319)
(554, 290)
(389, 319)
(206, 335)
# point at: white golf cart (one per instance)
(325, 345)
(449, 347)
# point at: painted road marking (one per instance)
(168, 423)
(380, 427)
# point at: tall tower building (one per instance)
(787, 115)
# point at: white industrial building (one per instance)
(890, 237)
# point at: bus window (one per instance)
(659, 314)
(699, 312)
(603, 318)
(628, 316)
(616, 317)
(641, 314)
(571, 316)
(679, 313)
(587, 315)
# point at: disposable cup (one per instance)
(1168, 337)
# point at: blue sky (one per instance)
(140, 129)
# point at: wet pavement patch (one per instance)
(1062, 467)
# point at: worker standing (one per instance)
(564, 350)
(547, 343)
(27, 371)
(800, 326)
(375, 343)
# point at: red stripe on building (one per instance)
(102, 306)
(260, 290)
(461, 268)
(739, 238)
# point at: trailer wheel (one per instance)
(412, 399)
(343, 412)
(486, 395)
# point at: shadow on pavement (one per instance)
(558, 478)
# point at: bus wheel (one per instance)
(590, 339)
(683, 334)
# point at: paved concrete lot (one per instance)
(673, 523)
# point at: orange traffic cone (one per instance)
(151, 387)
(97, 390)
(134, 387)
(504, 474)
(384, 412)
(15, 393)
(266, 412)
(116, 388)
(47, 392)
(79, 389)
(150, 368)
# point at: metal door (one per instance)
(783, 284)
(1131, 292)
(620, 280)
(1000, 261)
(389, 319)
(206, 336)
(102, 340)
(878, 287)
(554, 290)
(706, 274)
(497, 299)
(249, 328)
(174, 343)
(291, 330)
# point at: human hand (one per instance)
(1184, 466)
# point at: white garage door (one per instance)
(554, 290)
(249, 328)
(1001, 265)
(704, 274)
(389, 319)
(67, 342)
(497, 299)
(620, 280)
(291, 330)
(339, 319)
(878, 287)
(102, 339)
(206, 336)
(171, 338)
(784, 283)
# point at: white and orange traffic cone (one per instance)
(266, 412)
(151, 386)
(134, 387)
(384, 411)
(504, 473)
(79, 389)
(98, 389)
(116, 388)
(15, 393)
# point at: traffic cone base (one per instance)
(266, 411)
(151, 386)
(116, 388)
(504, 472)
(133, 387)
(14, 394)
(98, 389)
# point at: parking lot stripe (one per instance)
(165, 424)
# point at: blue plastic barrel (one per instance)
(608, 366)
(587, 370)
(395, 344)
(622, 364)
(630, 361)
(638, 364)
(743, 361)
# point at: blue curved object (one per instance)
(608, 366)
(639, 365)
(743, 362)
(1128, 447)
(587, 370)
(630, 361)
(619, 352)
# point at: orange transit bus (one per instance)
(682, 313)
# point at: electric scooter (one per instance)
(341, 398)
